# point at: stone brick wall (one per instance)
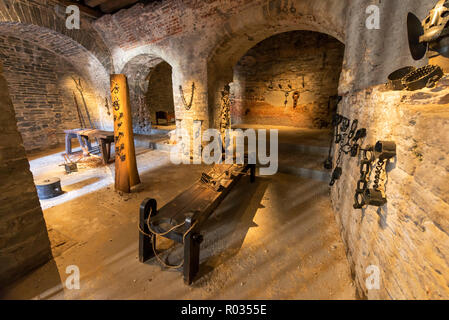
(24, 242)
(203, 40)
(50, 15)
(408, 239)
(151, 90)
(159, 95)
(303, 62)
(41, 87)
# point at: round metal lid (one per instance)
(46, 181)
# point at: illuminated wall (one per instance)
(269, 78)
(159, 96)
(41, 88)
(24, 243)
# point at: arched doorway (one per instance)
(288, 79)
(159, 95)
(40, 76)
(151, 92)
(285, 79)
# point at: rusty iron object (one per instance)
(415, 31)
(373, 159)
(426, 76)
(431, 36)
(434, 24)
(395, 78)
(296, 96)
(69, 165)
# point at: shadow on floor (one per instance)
(80, 184)
(42, 283)
(231, 220)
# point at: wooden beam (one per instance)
(87, 10)
(94, 3)
(113, 5)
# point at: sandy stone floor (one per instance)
(274, 239)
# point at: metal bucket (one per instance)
(48, 188)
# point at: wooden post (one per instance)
(126, 174)
(147, 208)
(252, 173)
(192, 243)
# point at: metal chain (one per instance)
(343, 139)
(340, 153)
(365, 172)
(187, 105)
(377, 176)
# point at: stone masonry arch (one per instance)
(250, 27)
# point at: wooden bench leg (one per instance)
(105, 149)
(252, 173)
(68, 143)
(108, 150)
(191, 256)
(88, 144)
(82, 145)
(147, 208)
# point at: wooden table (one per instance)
(85, 136)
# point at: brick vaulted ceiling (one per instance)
(100, 7)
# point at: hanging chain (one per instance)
(349, 143)
(187, 105)
(365, 172)
(342, 139)
(377, 176)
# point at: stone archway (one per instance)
(151, 89)
(250, 27)
(289, 79)
(51, 17)
(40, 66)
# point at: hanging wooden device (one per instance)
(126, 174)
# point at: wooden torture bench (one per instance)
(182, 218)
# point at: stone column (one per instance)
(191, 111)
(185, 76)
(217, 80)
(24, 243)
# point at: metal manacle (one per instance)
(426, 76)
(395, 78)
(348, 143)
(375, 196)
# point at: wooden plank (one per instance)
(113, 5)
(181, 202)
(94, 3)
(198, 199)
(148, 207)
(85, 9)
(191, 257)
